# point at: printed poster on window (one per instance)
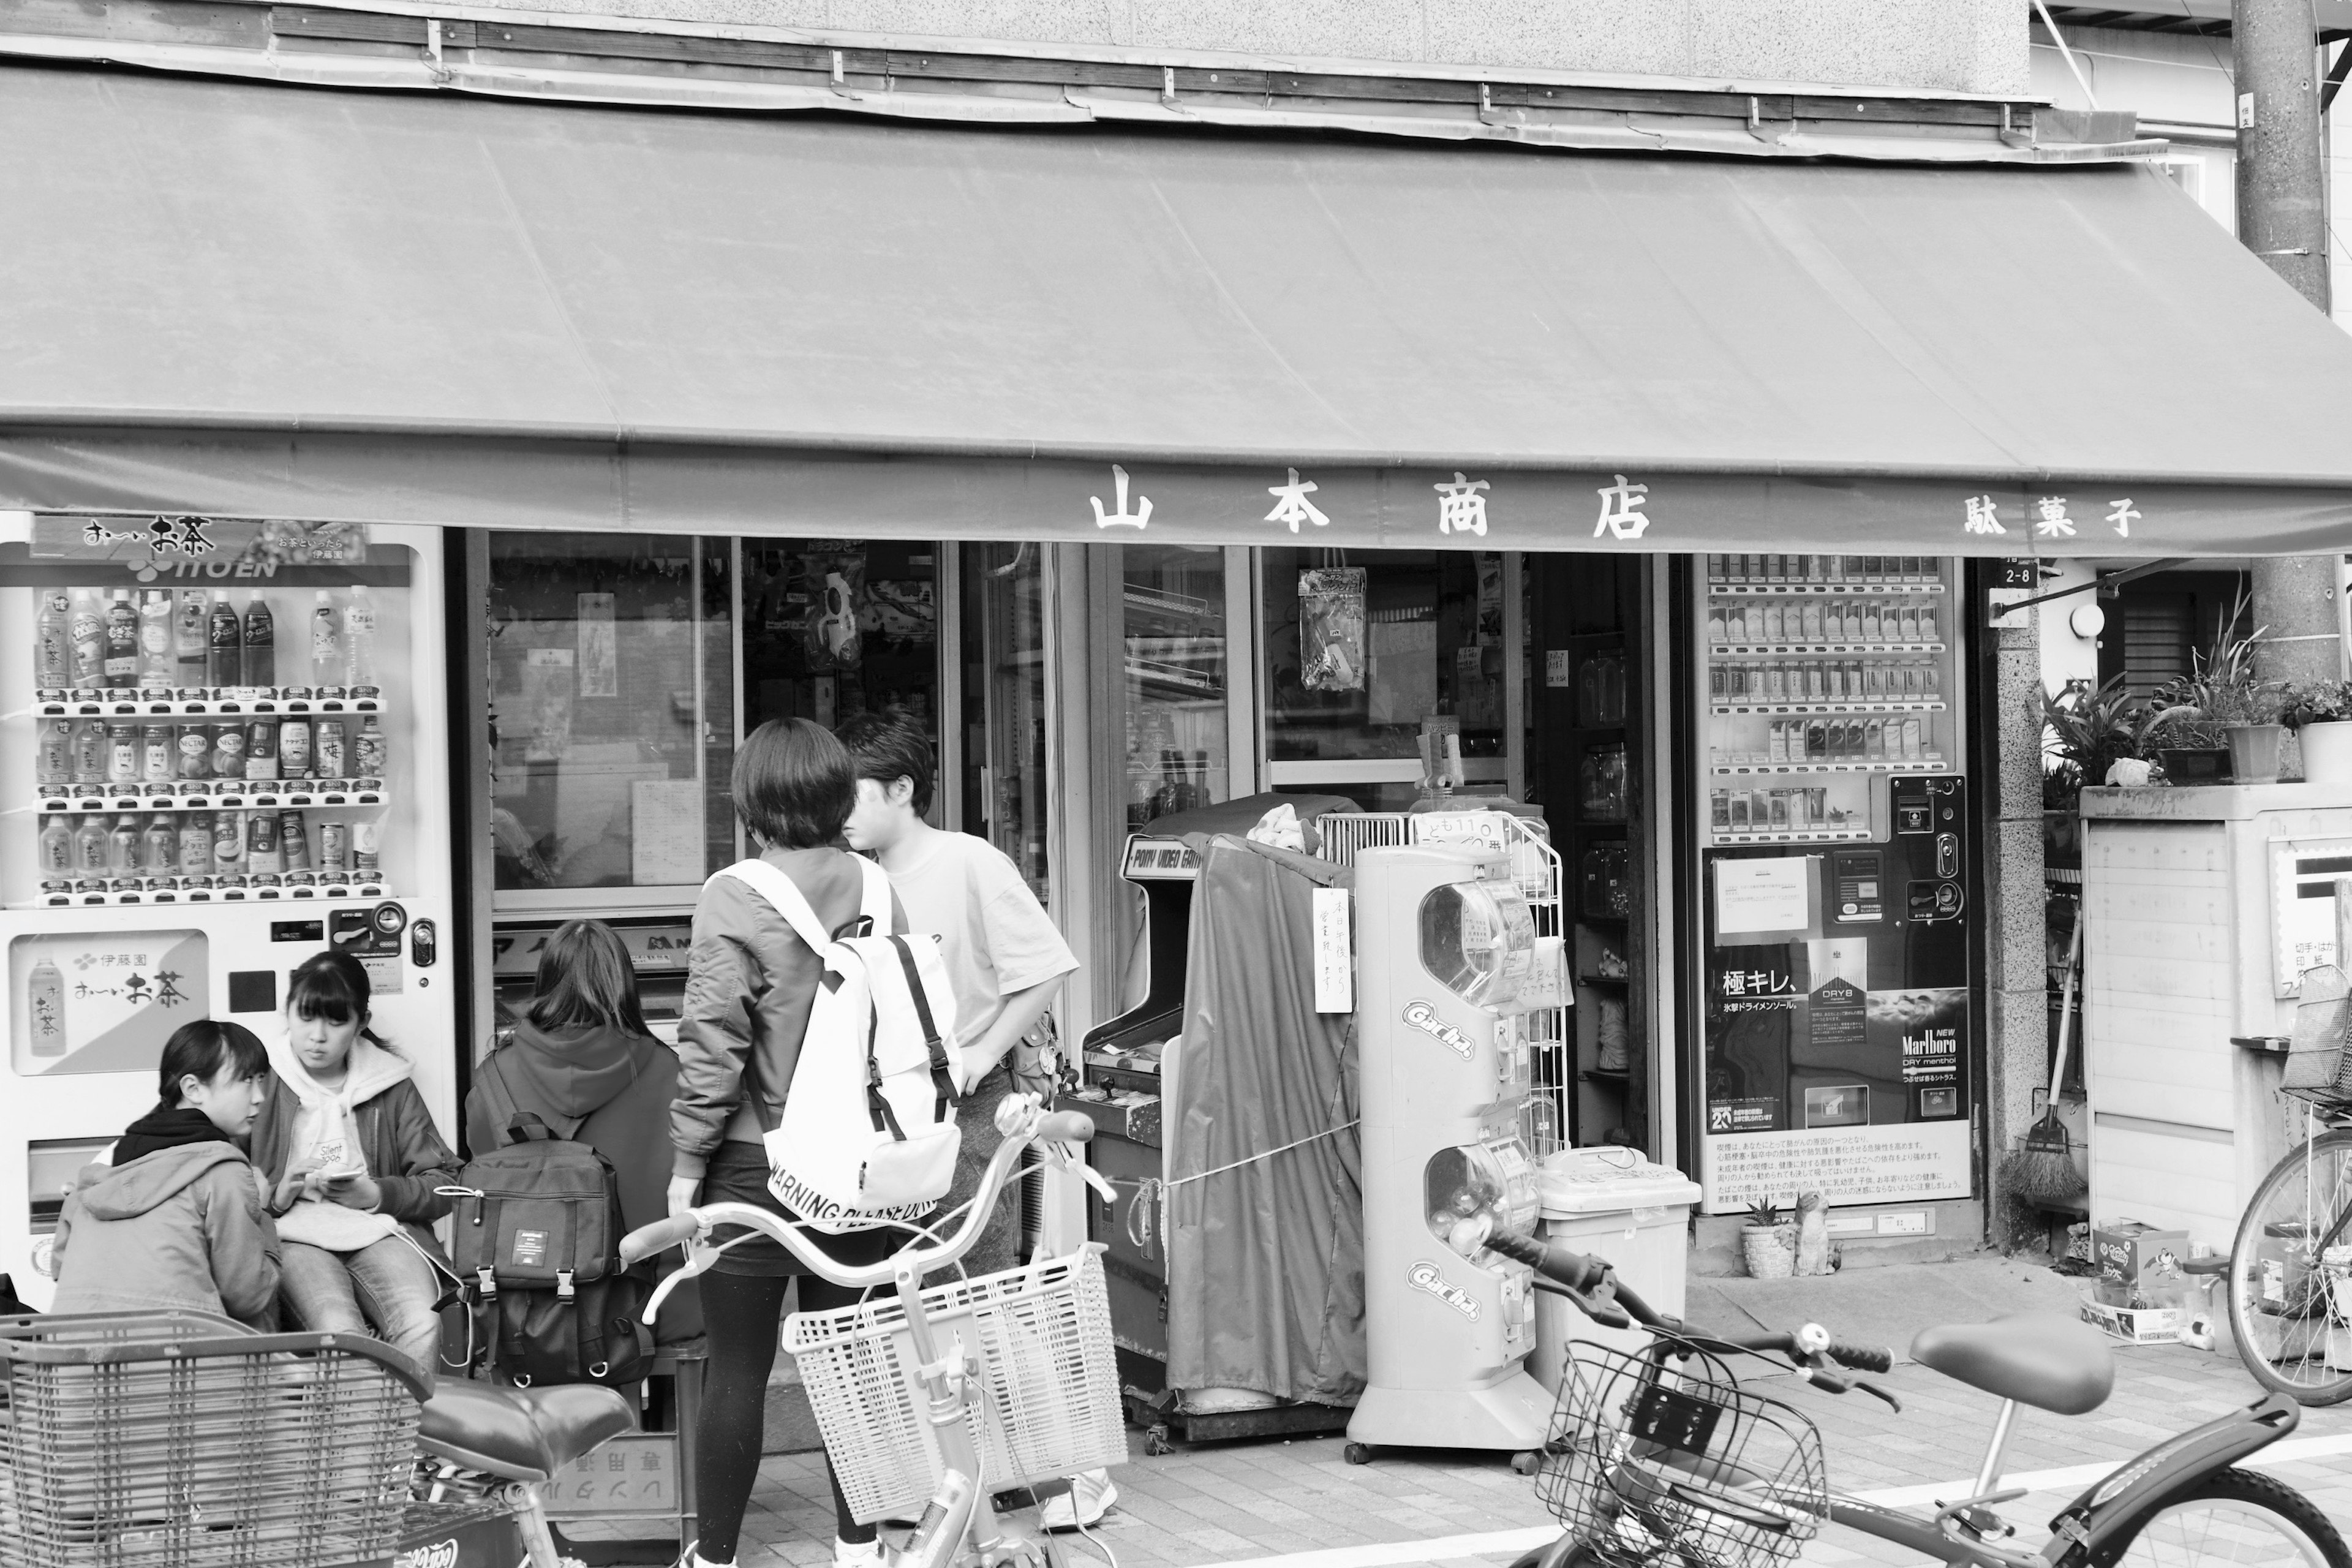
(1331, 653)
(599, 658)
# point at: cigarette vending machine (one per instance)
(1444, 948)
(1836, 853)
(222, 748)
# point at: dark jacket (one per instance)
(611, 1091)
(749, 984)
(404, 1151)
(182, 1227)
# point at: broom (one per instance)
(2044, 1171)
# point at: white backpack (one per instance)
(867, 1135)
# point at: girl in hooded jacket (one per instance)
(356, 1166)
(175, 1221)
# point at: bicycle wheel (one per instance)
(2290, 1275)
(2238, 1517)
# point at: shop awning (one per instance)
(245, 299)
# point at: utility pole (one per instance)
(2281, 217)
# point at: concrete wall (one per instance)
(1969, 45)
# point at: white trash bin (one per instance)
(1613, 1204)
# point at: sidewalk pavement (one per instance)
(1247, 1501)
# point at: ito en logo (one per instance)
(440, 1554)
(1423, 1016)
(1429, 1277)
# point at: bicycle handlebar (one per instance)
(1862, 1358)
(1018, 1117)
(659, 1236)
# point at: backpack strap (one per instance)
(942, 1078)
(784, 896)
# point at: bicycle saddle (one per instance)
(521, 1433)
(2047, 1359)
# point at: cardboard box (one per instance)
(2136, 1325)
(2126, 1250)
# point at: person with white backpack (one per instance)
(817, 1059)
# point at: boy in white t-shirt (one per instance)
(1004, 957)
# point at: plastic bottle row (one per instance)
(1821, 621)
(191, 643)
(1913, 571)
(1825, 682)
(187, 850)
(96, 756)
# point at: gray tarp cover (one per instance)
(1265, 1280)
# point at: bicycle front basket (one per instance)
(1679, 1463)
(2319, 1068)
(1049, 1401)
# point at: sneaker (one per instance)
(857, 1554)
(1091, 1495)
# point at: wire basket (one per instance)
(1679, 1465)
(183, 1440)
(1041, 1337)
(2319, 1068)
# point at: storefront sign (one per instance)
(1892, 1162)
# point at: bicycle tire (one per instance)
(1577, 1554)
(2295, 1521)
(2274, 1290)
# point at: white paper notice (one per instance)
(1753, 896)
(666, 846)
(1334, 958)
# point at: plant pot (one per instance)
(1770, 1254)
(2254, 752)
(2195, 764)
(2327, 751)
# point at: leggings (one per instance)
(740, 1313)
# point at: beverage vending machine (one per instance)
(1836, 853)
(1445, 947)
(222, 748)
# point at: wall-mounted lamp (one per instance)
(2087, 621)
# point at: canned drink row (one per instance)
(82, 752)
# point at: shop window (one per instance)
(612, 710)
(1173, 640)
(1007, 796)
(1362, 648)
(834, 628)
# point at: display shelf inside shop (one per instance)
(127, 704)
(283, 793)
(184, 895)
(1928, 765)
(1787, 836)
(1758, 649)
(1851, 590)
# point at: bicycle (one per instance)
(1662, 1459)
(2290, 1270)
(940, 1397)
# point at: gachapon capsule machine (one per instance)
(1445, 947)
(222, 748)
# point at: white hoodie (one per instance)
(327, 1134)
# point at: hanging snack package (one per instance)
(1331, 628)
(836, 590)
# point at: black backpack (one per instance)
(536, 1236)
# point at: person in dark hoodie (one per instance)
(584, 1062)
(177, 1220)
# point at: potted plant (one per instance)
(2084, 733)
(2225, 700)
(1768, 1242)
(2320, 713)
